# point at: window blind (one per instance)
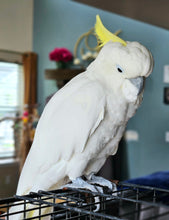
(11, 97)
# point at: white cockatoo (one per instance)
(84, 121)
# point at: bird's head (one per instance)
(122, 65)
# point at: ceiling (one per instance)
(155, 12)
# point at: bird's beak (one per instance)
(138, 83)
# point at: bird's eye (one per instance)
(119, 68)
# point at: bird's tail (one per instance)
(19, 212)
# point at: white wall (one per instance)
(16, 25)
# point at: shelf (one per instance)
(62, 74)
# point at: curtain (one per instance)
(30, 101)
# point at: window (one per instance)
(11, 102)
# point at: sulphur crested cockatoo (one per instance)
(84, 121)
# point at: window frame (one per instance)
(16, 58)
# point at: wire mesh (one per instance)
(130, 201)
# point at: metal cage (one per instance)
(130, 201)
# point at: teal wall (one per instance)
(58, 23)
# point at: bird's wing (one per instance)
(65, 126)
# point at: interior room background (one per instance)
(42, 25)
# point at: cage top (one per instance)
(127, 202)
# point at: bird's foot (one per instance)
(98, 180)
(79, 183)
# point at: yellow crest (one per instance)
(104, 35)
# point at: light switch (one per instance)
(166, 74)
(131, 135)
(167, 136)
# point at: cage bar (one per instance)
(132, 202)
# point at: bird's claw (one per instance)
(104, 183)
(79, 183)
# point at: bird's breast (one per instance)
(116, 109)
